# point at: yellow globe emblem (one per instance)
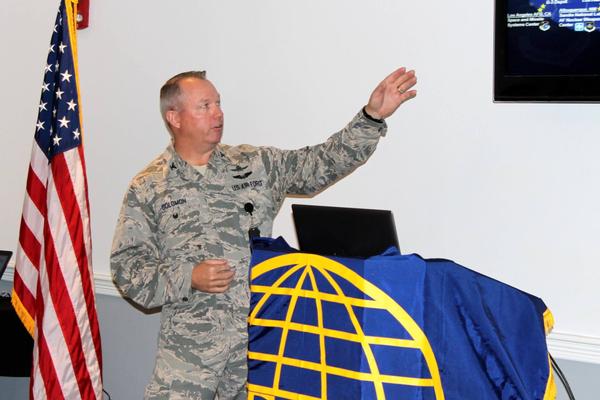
(311, 271)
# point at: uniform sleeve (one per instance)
(135, 262)
(310, 169)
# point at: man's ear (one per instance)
(173, 119)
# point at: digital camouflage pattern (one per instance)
(173, 217)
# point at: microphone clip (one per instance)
(253, 232)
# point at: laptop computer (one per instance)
(4, 257)
(344, 232)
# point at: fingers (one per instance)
(220, 285)
(217, 265)
(395, 75)
(407, 96)
(405, 82)
(212, 276)
(216, 261)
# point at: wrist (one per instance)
(372, 115)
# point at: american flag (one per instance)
(53, 289)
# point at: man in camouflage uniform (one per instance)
(181, 242)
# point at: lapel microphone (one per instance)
(253, 231)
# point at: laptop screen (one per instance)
(344, 232)
(4, 257)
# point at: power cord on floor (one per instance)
(108, 395)
(562, 377)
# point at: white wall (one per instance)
(507, 189)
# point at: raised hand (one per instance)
(391, 93)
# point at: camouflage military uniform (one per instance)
(173, 217)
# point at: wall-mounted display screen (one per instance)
(547, 50)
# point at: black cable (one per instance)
(562, 377)
(106, 394)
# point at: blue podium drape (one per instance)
(390, 327)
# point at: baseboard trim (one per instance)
(562, 345)
(105, 285)
(574, 347)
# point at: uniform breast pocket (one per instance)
(170, 220)
(181, 229)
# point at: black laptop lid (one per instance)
(344, 232)
(4, 257)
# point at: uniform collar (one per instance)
(178, 167)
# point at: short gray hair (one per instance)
(170, 91)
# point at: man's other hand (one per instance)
(212, 276)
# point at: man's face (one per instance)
(199, 115)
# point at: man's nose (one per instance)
(217, 111)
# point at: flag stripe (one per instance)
(60, 252)
(39, 163)
(24, 289)
(85, 212)
(25, 295)
(34, 221)
(50, 388)
(79, 278)
(57, 329)
(91, 335)
(53, 334)
(30, 245)
(35, 205)
(84, 200)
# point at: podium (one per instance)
(389, 327)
